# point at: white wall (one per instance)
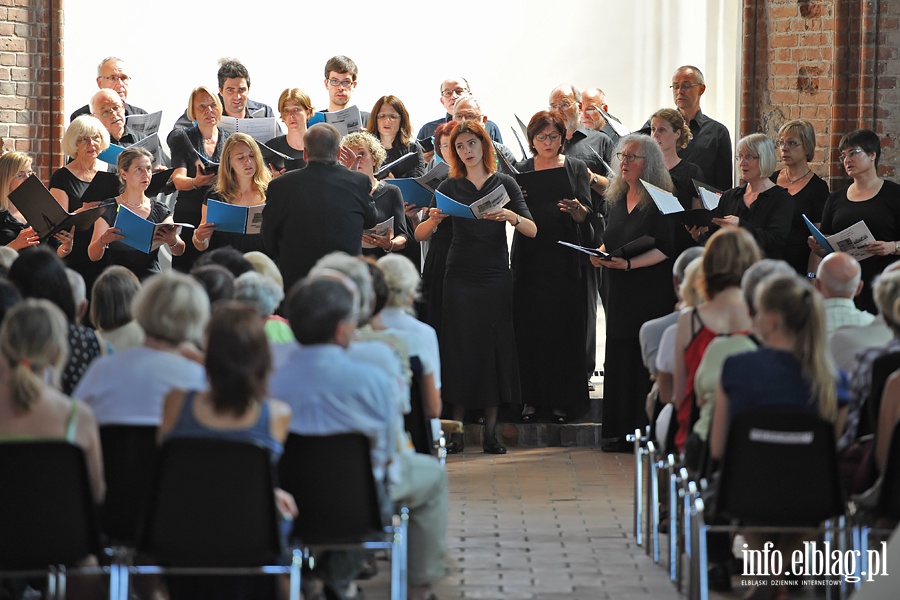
(513, 54)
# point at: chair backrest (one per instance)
(331, 479)
(47, 512)
(129, 457)
(779, 469)
(882, 368)
(212, 504)
(889, 499)
(416, 423)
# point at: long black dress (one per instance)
(682, 176)
(881, 213)
(78, 260)
(478, 348)
(809, 201)
(635, 296)
(185, 145)
(389, 203)
(550, 343)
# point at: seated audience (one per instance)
(216, 280)
(228, 257)
(171, 309)
(33, 344)
(838, 280)
(110, 312)
(263, 293)
(264, 265)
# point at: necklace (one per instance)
(793, 181)
(139, 205)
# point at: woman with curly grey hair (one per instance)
(640, 285)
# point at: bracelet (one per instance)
(391, 249)
(627, 264)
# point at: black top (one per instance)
(10, 228)
(118, 253)
(129, 110)
(682, 175)
(389, 203)
(479, 246)
(184, 122)
(244, 242)
(429, 128)
(583, 145)
(63, 179)
(312, 212)
(881, 213)
(809, 201)
(768, 218)
(186, 144)
(128, 138)
(412, 170)
(710, 149)
(280, 144)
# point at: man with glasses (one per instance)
(112, 75)
(107, 106)
(452, 90)
(467, 108)
(592, 101)
(710, 148)
(588, 146)
(234, 90)
(340, 81)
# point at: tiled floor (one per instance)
(543, 523)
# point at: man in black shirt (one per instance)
(317, 210)
(452, 90)
(467, 108)
(710, 148)
(112, 75)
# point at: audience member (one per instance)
(317, 210)
(172, 309)
(838, 279)
(112, 75)
(110, 311)
(216, 280)
(266, 266)
(265, 295)
(9, 296)
(228, 257)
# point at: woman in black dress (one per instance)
(84, 140)
(389, 123)
(640, 287)
(242, 180)
(296, 108)
(15, 168)
(189, 149)
(480, 369)
(870, 199)
(367, 156)
(546, 274)
(797, 140)
(438, 238)
(135, 170)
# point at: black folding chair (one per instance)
(779, 474)
(331, 478)
(129, 456)
(48, 521)
(212, 512)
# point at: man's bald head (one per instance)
(838, 276)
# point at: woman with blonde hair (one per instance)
(243, 180)
(34, 346)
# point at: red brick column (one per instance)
(31, 80)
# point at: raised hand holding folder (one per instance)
(45, 215)
(491, 201)
(140, 233)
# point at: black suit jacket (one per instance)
(315, 211)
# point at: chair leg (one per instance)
(399, 558)
(673, 519)
(51, 583)
(61, 582)
(296, 573)
(638, 489)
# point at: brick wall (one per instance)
(833, 62)
(31, 76)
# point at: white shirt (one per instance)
(397, 318)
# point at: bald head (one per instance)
(838, 276)
(591, 100)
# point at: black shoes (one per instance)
(457, 443)
(493, 447)
(617, 445)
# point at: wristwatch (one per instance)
(595, 179)
(518, 220)
(896, 247)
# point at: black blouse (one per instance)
(768, 219)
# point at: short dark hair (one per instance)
(542, 119)
(315, 306)
(227, 256)
(238, 359)
(216, 280)
(230, 68)
(322, 142)
(111, 297)
(340, 64)
(40, 273)
(866, 139)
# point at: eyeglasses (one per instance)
(111, 110)
(845, 155)
(591, 109)
(627, 158)
(338, 83)
(85, 139)
(456, 92)
(388, 116)
(564, 105)
(788, 144)
(114, 78)
(542, 137)
(293, 111)
(466, 116)
(745, 157)
(684, 87)
(24, 174)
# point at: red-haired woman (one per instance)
(480, 370)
